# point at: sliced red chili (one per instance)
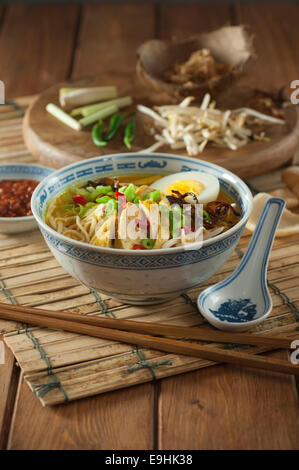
(119, 195)
(78, 199)
(138, 247)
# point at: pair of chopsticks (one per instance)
(158, 336)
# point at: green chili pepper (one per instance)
(206, 215)
(100, 190)
(97, 134)
(104, 189)
(130, 193)
(83, 192)
(103, 199)
(110, 207)
(129, 134)
(154, 195)
(81, 211)
(122, 189)
(115, 123)
(148, 243)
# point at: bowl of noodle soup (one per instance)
(128, 271)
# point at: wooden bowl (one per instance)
(230, 45)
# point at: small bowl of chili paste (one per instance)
(17, 183)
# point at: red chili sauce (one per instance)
(15, 197)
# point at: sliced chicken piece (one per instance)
(105, 235)
(125, 225)
(145, 206)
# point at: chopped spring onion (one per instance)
(86, 194)
(83, 96)
(148, 243)
(101, 114)
(103, 199)
(154, 195)
(111, 206)
(82, 211)
(122, 189)
(103, 189)
(62, 116)
(206, 215)
(130, 193)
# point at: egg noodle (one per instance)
(108, 213)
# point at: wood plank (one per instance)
(108, 40)
(38, 39)
(228, 408)
(104, 417)
(117, 420)
(183, 21)
(275, 29)
(9, 374)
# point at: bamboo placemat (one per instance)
(60, 366)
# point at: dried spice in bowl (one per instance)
(15, 197)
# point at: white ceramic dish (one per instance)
(143, 277)
(20, 171)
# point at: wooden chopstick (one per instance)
(162, 344)
(200, 334)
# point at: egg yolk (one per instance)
(187, 186)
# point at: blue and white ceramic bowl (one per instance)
(140, 277)
(19, 171)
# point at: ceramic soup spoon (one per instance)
(242, 300)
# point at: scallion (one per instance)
(101, 114)
(103, 199)
(92, 108)
(154, 196)
(130, 193)
(62, 116)
(111, 206)
(148, 243)
(84, 96)
(206, 215)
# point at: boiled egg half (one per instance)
(204, 186)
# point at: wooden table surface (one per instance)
(221, 407)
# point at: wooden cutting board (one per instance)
(56, 145)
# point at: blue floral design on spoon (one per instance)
(241, 310)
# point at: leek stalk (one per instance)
(84, 96)
(101, 114)
(62, 116)
(92, 108)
